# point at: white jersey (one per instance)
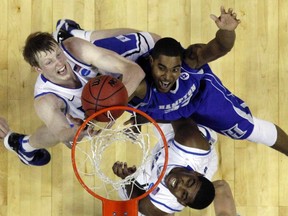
(202, 161)
(71, 97)
(130, 46)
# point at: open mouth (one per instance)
(164, 85)
(62, 70)
(171, 182)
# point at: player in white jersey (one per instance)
(192, 161)
(63, 70)
(83, 72)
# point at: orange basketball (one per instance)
(102, 92)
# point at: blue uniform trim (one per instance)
(124, 45)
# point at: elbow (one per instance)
(139, 72)
(155, 37)
(142, 75)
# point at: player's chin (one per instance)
(163, 90)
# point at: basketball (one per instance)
(101, 92)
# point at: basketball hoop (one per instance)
(108, 142)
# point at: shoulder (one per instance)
(47, 101)
(148, 208)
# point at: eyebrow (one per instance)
(172, 67)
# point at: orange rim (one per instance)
(104, 200)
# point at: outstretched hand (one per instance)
(122, 170)
(227, 20)
(4, 128)
(75, 124)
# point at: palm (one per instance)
(227, 20)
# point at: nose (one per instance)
(59, 62)
(168, 76)
(181, 186)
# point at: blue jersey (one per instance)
(198, 93)
(131, 46)
(179, 101)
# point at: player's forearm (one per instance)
(132, 78)
(224, 204)
(63, 135)
(44, 137)
(133, 191)
(196, 55)
(67, 135)
(225, 40)
(219, 46)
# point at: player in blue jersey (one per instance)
(179, 83)
(192, 161)
(181, 86)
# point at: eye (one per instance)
(48, 63)
(161, 68)
(176, 70)
(190, 182)
(59, 54)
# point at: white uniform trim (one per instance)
(202, 161)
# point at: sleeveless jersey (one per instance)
(198, 93)
(177, 102)
(130, 46)
(202, 161)
(71, 97)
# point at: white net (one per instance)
(115, 141)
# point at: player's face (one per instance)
(183, 184)
(53, 65)
(165, 71)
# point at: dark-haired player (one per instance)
(192, 161)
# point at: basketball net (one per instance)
(108, 142)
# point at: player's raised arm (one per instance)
(106, 61)
(197, 55)
(224, 204)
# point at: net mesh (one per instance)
(114, 141)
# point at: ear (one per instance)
(151, 60)
(37, 69)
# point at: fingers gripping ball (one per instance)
(102, 92)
